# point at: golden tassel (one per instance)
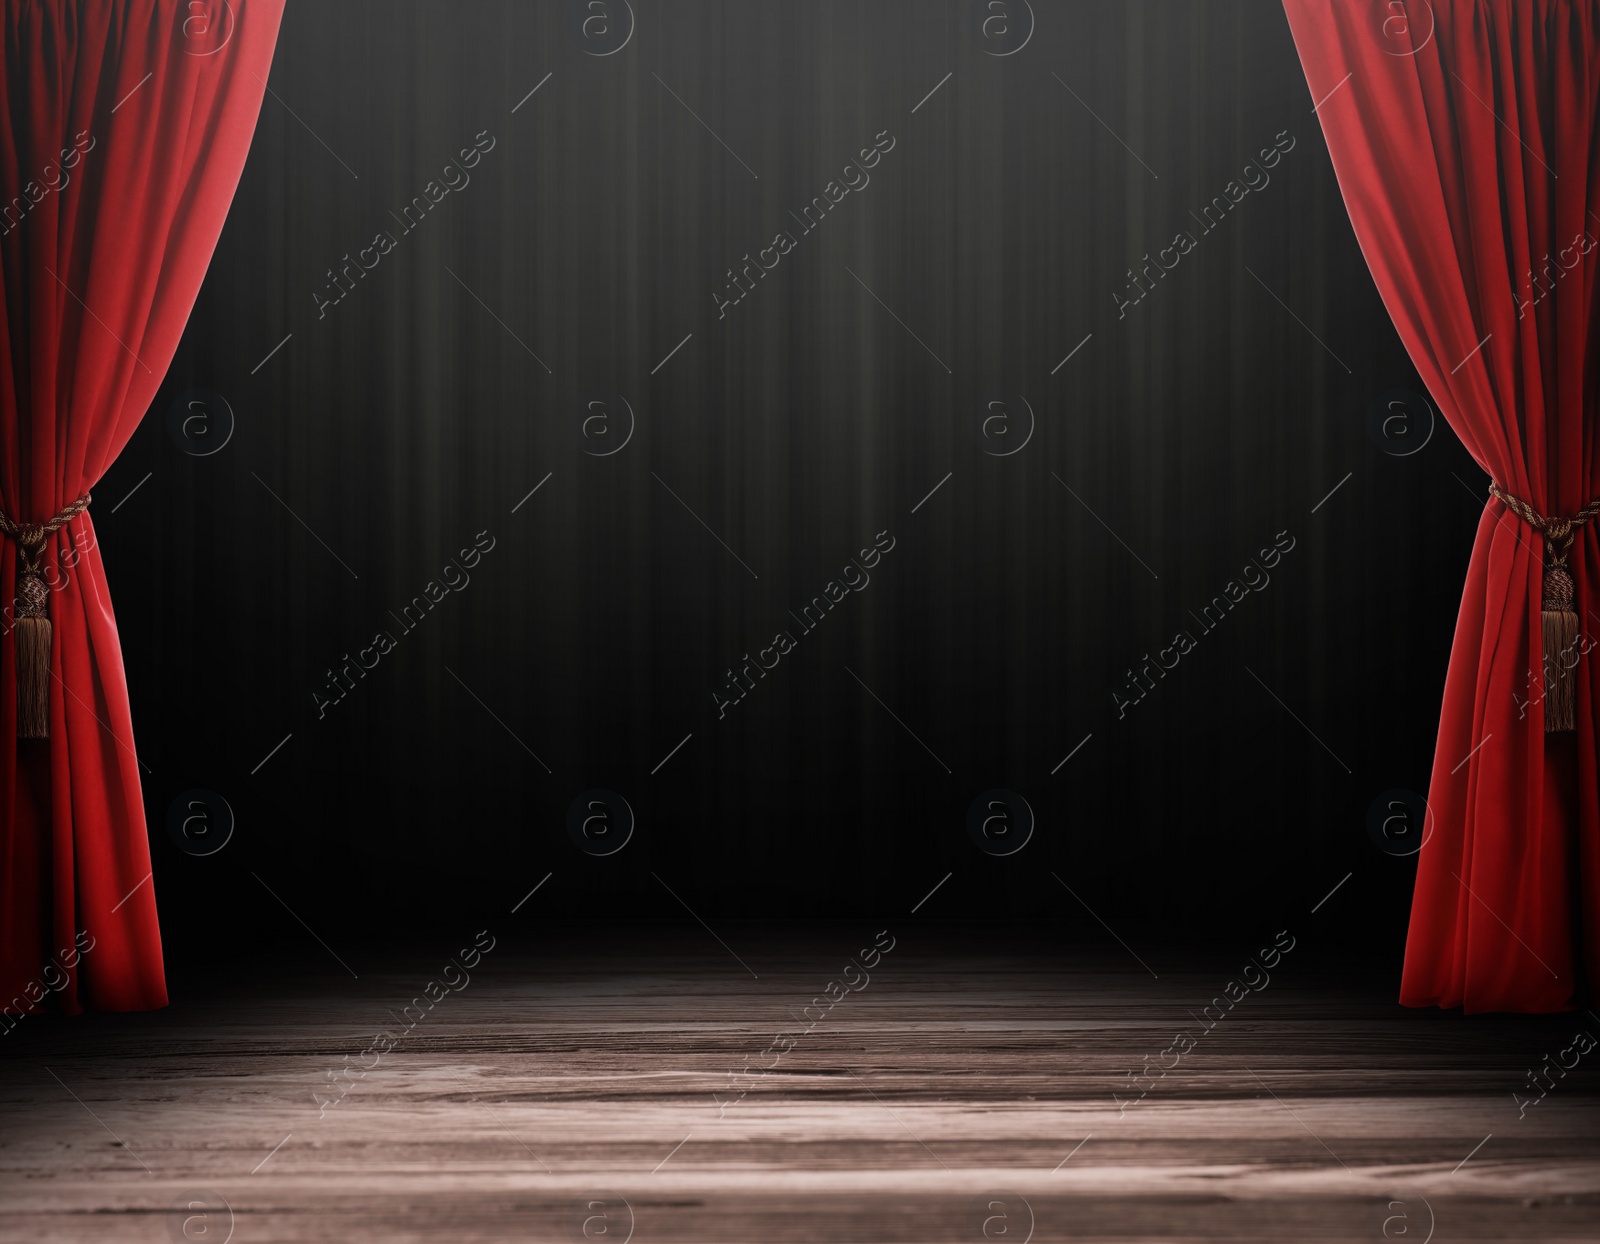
(33, 631)
(33, 642)
(1559, 618)
(1560, 650)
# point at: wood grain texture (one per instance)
(965, 1076)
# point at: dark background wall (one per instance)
(994, 238)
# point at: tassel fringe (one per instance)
(1560, 651)
(1560, 659)
(33, 630)
(1560, 619)
(33, 678)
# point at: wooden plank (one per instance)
(951, 1096)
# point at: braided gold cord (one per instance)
(30, 537)
(1558, 533)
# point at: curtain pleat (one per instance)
(1464, 137)
(124, 126)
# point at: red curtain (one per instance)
(1463, 134)
(123, 129)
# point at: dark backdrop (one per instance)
(596, 233)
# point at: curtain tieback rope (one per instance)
(33, 618)
(1559, 616)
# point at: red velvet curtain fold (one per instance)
(1464, 136)
(124, 126)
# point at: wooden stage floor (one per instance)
(963, 1089)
